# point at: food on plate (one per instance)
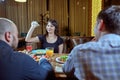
(63, 58)
(36, 57)
(39, 51)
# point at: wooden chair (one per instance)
(75, 40)
(65, 44)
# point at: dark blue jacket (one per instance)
(19, 66)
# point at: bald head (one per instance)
(6, 25)
(8, 32)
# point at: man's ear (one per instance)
(7, 36)
(102, 26)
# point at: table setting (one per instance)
(56, 59)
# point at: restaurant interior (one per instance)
(76, 19)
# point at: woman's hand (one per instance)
(34, 24)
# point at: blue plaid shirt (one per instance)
(95, 60)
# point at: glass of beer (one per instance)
(49, 51)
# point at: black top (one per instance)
(45, 44)
(19, 66)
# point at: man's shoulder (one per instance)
(89, 45)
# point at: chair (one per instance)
(65, 44)
(75, 40)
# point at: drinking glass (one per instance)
(49, 51)
(29, 47)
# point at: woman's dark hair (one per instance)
(54, 23)
(111, 19)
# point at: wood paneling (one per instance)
(71, 15)
(18, 13)
(79, 17)
(58, 11)
(24, 13)
(2, 9)
(108, 3)
(35, 9)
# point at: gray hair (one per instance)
(5, 25)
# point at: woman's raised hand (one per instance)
(34, 24)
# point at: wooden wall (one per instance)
(73, 16)
(17, 13)
(79, 16)
(36, 9)
(111, 2)
(58, 10)
(2, 9)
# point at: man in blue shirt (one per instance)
(15, 65)
(100, 59)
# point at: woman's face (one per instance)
(50, 28)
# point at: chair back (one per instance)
(75, 40)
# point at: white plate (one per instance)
(58, 60)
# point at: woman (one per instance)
(50, 39)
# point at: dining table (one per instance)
(58, 65)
